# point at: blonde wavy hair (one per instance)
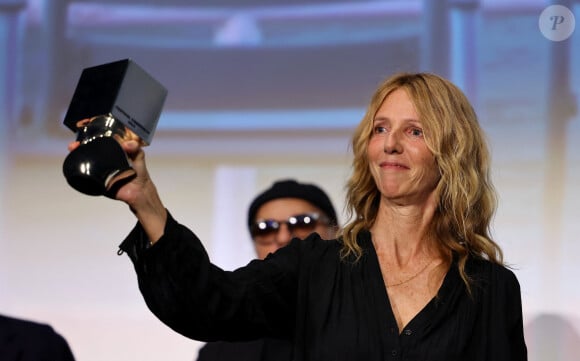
(466, 196)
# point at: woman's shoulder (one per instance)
(314, 245)
(483, 270)
(312, 249)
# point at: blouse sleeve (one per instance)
(201, 301)
(505, 333)
(514, 314)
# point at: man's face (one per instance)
(294, 218)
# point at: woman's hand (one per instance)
(137, 190)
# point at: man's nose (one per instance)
(284, 235)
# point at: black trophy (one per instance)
(111, 103)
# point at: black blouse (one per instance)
(332, 309)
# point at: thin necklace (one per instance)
(410, 278)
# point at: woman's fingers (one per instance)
(73, 145)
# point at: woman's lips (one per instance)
(393, 165)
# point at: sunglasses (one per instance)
(297, 223)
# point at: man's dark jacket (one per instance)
(22, 340)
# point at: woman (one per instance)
(415, 275)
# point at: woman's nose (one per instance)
(393, 143)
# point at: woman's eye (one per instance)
(379, 130)
(416, 132)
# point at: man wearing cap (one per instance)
(286, 210)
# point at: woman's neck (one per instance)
(403, 233)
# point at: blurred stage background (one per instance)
(263, 89)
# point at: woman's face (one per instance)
(403, 168)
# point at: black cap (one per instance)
(290, 188)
